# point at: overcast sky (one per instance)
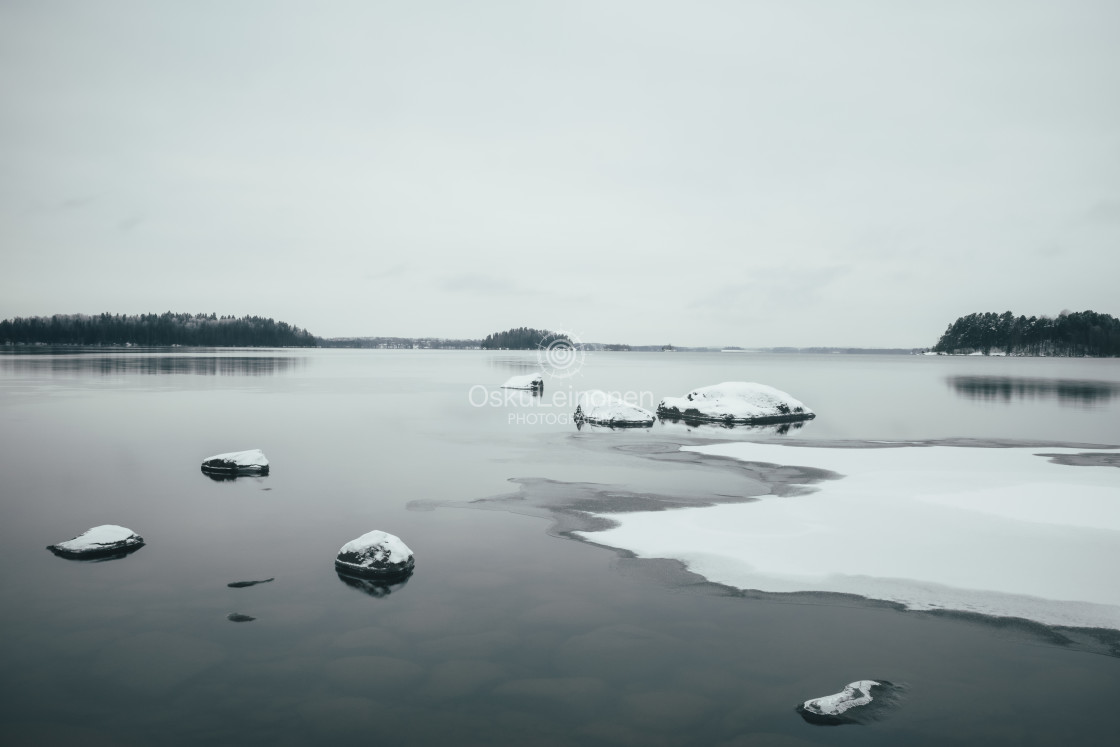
(701, 173)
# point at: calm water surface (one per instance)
(505, 634)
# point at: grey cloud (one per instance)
(1105, 212)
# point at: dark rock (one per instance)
(860, 702)
(243, 584)
(225, 466)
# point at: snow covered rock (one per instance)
(853, 704)
(252, 462)
(530, 382)
(601, 408)
(105, 541)
(375, 554)
(735, 402)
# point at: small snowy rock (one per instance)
(251, 462)
(853, 704)
(99, 542)
(375, 554)
(601, 408)
(735, 402)
(531, 382)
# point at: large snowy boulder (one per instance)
(375, 554)
(251, 462)
(853, 704)
(105, 541)
(530, 382)
(601, 408)
(735, 402)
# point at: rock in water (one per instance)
(105, 541)
(375, 554)
(531, 382)
(243, 584)
(854, 704)
(735, 402)
(252, 462)
(601, 408)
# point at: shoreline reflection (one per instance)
(1068, 392)
(153, 365)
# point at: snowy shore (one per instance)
(996, 531)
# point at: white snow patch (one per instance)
(98, 537)
(998, 531)
(525, 381)
(382, 543)
(250, 458)
(854, 694)
(602, 408)
(736, 400)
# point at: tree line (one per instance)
(203, 330)
(404, 343)
(523, 338)
(1080, 333)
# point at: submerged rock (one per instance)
(530, 382)
(243, 584)
(735, 402)
(251, 462)
(375, 554)
(105, 541)
(854, 704)
(600, 408)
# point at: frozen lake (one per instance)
(505, 634)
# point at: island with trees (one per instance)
(154, 330)
(524, 338)
(1073, 334)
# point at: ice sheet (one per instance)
(999, 531)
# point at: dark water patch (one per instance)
(763, 478)
(1068, 392)
(573, 506)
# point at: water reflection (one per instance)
(721, 428)
(154, 365)
(229, 476)
(621, 426)
(1068, 392)
(115, 554)
(379, 588)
